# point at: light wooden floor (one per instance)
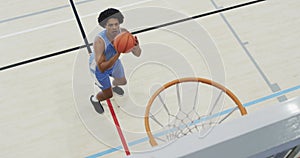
(44, 105)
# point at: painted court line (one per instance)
(256, 101)
(63, 21)
(41, 12)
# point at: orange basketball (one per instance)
(124, 42)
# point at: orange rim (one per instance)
(153, 142)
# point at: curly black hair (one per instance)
(110, 13)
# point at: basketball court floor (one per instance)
(45, 110)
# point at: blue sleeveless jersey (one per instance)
(109, 52)
(116, 71)
(109, 48)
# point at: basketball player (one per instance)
(104, 61)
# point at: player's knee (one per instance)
(107, 94)
(124, 82)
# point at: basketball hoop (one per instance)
(180, 119)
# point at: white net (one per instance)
(186, 107)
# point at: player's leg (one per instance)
(119, 81)
(119, 78)
(105, 93)
(104, 85)
(116, 83)
(95, 102)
